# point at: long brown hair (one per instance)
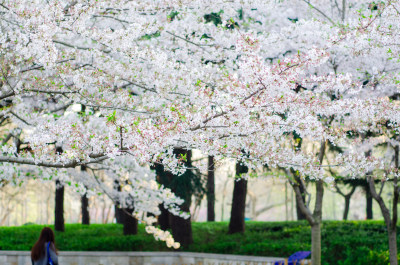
(38, 250)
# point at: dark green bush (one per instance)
(343, 242)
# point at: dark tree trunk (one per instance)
(347, 198)
(210, 190)
(59, 208)
(392, 230)
(298, 145)
(300, 214)
(85, 205)
(368, 195)
(129, 222)
(163, 218)
(182, 228)
(118, 214)
(182, 186)
(236, 223)
(316, 258)
(390, 221)
(313, 218)
(59, 202)
(85, 210)
(117, 209)
(393, 246)
(368, 207)
(346, 208)
(316, 243)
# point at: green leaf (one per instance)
(111, 117)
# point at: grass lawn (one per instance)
(343, 243)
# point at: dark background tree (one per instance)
(210, 190)
(85, 205)
(59, 203)
(347, 197)
(129, 222)
(184, 186)
(84, 198)
(117, 209)
(368, 195)
(236, 223)
(59, 207)
(389, 216)
(163, 218)
(124, 213)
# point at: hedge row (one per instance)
(343, 243)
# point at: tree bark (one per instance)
(117, 210)
(368, 207)
(347, 198)
(316, 243)
(237, 224)
(85, 210)
(393, 226)
(182, 228)
(59, 208)
(210, 190)
(315, 218)
(300, 214)
(391, 223)
(392, 236)
(346, 208)
(118, 214)
(163, 218)
(368, 196)
(129, 222)
(85, 205)
(316, 226)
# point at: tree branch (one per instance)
(70, 164)
(378, 198)
(395, 189)
(301, 204)
(7, 95)
(319, 11)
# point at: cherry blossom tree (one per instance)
(156, 75)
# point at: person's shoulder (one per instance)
(52, 246)
(47, 243)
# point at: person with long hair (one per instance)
(46, 242)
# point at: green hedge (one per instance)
(343, 243)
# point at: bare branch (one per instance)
(301, 204)
(378, 198)
(191, 42)
(319, 11)
(7, 95)
(70, 164)
(21, 119)
(51, 91)
(37, 67)
(381, 189)
(343, 9)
